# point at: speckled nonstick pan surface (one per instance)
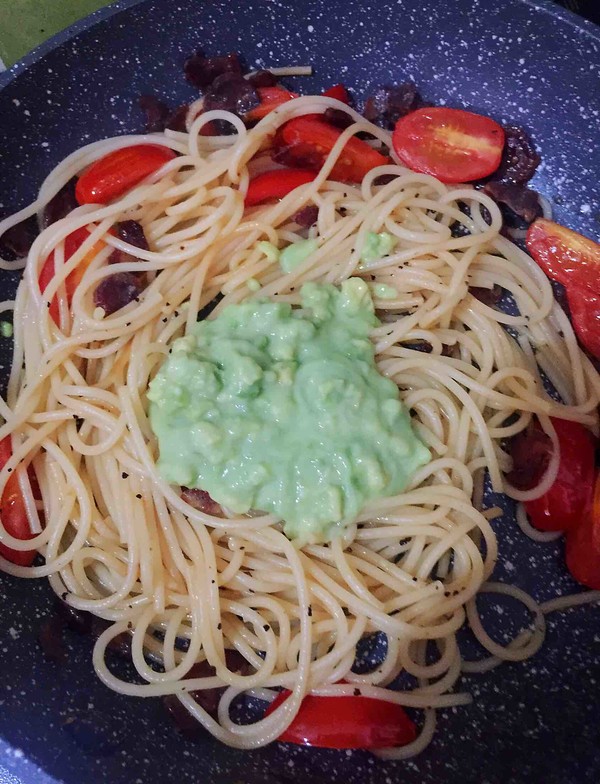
(519, 61)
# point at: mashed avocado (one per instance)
(376, 246)
(282, 410)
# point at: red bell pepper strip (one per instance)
(565, 503)
(119, 171)
(270, 98)
(276, 184)
(451, 144)
(564, 255)
(339, 92)
(14, 512)
(352, 722)
(583, 545)
(72, 243)
(305, 142)
(573, 260)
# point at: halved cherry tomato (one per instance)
(339, 92)
(451, 144)
(564, 255)
(583, 546)
(13, 512)
(352, 722)
(584, 305)
(573, 260)
(565, 503)
(276, 184)
(270, 98)
(306, 141)
(72, 243)
(119, 171)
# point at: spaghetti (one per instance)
(121, 543)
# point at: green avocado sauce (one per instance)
(281, 409)
(376, 246)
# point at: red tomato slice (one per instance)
(306, 141)
(339, 92)
(451, 144)
(72, 243)
(564, 505)
(583, 552)
(270, 98)
(119, 171)
(347, 723)
(584, 305)
(276, 184)
(564, 255)
(14, 512)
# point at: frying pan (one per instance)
(520, 61)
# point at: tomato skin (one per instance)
(564, 255)
(276, 184)
(573, 260)
(565, 503)
(119, 171)
(13, 512)
(585, 316)
(306, 141)
(73, 242)
(270, 98)
(352, 722)
(339, 92)
(583, 553)
(583, 544)
(451, 144)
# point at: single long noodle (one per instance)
(121, 543)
